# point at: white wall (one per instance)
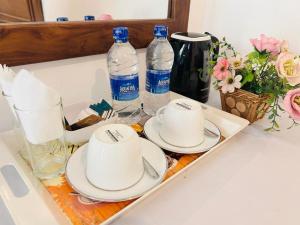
(240, 20)
(119, 9)
(83, 78)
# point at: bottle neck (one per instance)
(160, 38)
(121, 41)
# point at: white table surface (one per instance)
(254, 179)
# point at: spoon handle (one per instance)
(150, 169)
(210, 133)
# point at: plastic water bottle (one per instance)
(62, 19)
(124, 77)
(89, 18)
(159, 59)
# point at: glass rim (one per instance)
(59, 103)
(5, 95)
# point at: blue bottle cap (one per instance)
(120, 34)
(87, 18)
(160, 31)
(59, 19)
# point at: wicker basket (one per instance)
(245, 104)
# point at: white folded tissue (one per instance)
(38, 108)
(6, 81)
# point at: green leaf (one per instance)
(269, 129)
(280, 108)
(253, 55)
(248, 78)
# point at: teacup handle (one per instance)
(160, 113)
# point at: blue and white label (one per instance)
(124, 88)
(158, 81)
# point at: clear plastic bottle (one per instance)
(89, 18)
(159, 59)
(124, 77)
(62, 19)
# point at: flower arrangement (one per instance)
(270, 70)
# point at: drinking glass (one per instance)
(19, 140)
(43, 131)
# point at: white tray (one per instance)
(229, 125)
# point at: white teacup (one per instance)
(114, 158)
(182, 123)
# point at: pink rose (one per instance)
(268, 44)
(292, 103)
(221, 69)
(288, 66)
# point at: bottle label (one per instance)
(158, 81)
(124, 88)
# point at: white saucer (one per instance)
(75, 174)
(152, 127)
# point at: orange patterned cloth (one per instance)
(83, 211)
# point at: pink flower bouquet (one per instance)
(269, 70)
